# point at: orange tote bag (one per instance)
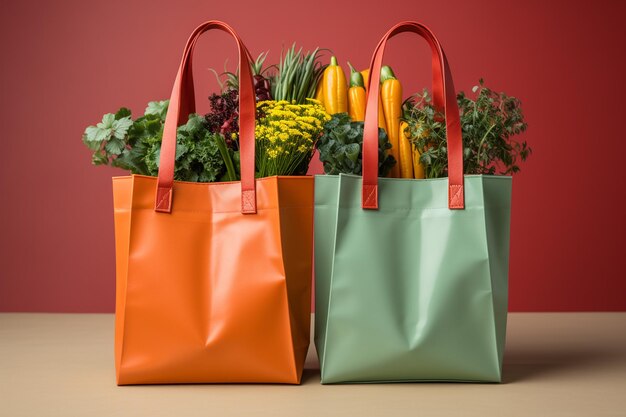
(213, 280)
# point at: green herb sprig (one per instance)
(488, 123)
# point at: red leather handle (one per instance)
(182, 104)
(190, 105)
(444, 97)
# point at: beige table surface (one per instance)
(565, 364)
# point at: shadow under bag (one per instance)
(213, 280)
(411, 275)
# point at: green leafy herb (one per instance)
(121, 142)
(488, 123)
(198, 157)
(136, 145)
(107, 137)
(157, 108)
(143, 136)
(340, 147)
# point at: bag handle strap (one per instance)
(182, 104)
(190, 105)
(444, 96)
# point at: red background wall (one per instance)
(65, 63)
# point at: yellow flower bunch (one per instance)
(286, 134)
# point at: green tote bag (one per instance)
(411, 275)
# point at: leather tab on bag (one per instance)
(163, 203)
(248, 202)
(370, 196)
(456, 196)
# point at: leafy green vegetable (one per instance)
(488, 124)
(107, 137)
(157, 108)
(340, 147)
(198, 157)
(143, 136)
(136, 145)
